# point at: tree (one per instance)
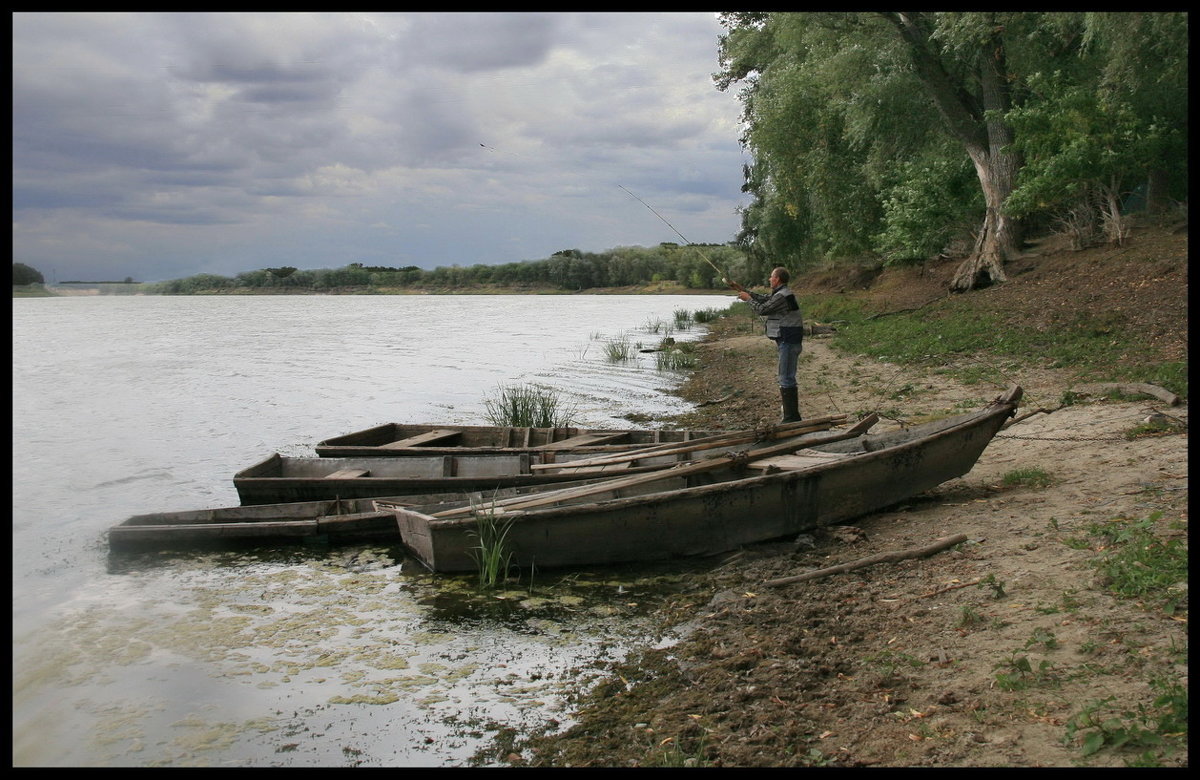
(848, 117)
(1093, 138)
(23, 274)
(966, 73)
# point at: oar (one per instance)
(704, 443)
(682, 470)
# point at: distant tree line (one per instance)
(690, 266)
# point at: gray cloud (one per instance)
(470, 43)
(160, 145)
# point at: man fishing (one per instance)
(785, 326)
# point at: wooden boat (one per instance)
(336, 521)
(709, 507)
(281, 479)
(396, 439)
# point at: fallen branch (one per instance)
(1027, 415)
(1131, 388)
(887, 557)
(911, 308)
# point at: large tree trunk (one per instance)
(1156, 192)
(999, 238)
(973, 118)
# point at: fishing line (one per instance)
(723, 274)
(704, 257)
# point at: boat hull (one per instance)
(332, 521)
(280, 479)
(686, 518)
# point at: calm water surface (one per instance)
(292, 657)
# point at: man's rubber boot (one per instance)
(791, 404)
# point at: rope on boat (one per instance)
(738, 459)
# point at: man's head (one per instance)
(779, 276)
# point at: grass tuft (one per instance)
(527, 406)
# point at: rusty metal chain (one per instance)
(1063, 438)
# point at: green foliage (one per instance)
(833, 308)
(851, 150)
(618, 350)
(492, 555)
(527, 406)
(929, 203)
(680, 358)
(1018, 673)
(23, 274)
(570, 270)
(1027, 477)
(1107, 724)
(955, 334)
(969, 617)
(200, 283)
(1155, 426)
(1137, 562)
(995, 584)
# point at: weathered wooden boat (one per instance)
(282, 479)
(709, 507)
(335, 521)
(396, 439)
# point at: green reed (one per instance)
(527, 406)
(492, 555)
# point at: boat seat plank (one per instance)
(421, 439)
(349, 473)
(799, 460)
(584, 439)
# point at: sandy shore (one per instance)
(900, 664)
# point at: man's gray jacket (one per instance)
(785, 322)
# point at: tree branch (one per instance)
(887, 557)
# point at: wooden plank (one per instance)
(682, 470)
(604, 468)
(798, 460)
(421, 439)
(585, 439)
(349, 474)
(149, 533)
(706, 442)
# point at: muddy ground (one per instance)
(987, 654)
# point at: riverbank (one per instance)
(1023, 647)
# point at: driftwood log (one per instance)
(1131, 388)
(887, 557)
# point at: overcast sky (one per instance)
(159, 146)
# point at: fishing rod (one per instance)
(704, 257)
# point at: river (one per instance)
(350, 656)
